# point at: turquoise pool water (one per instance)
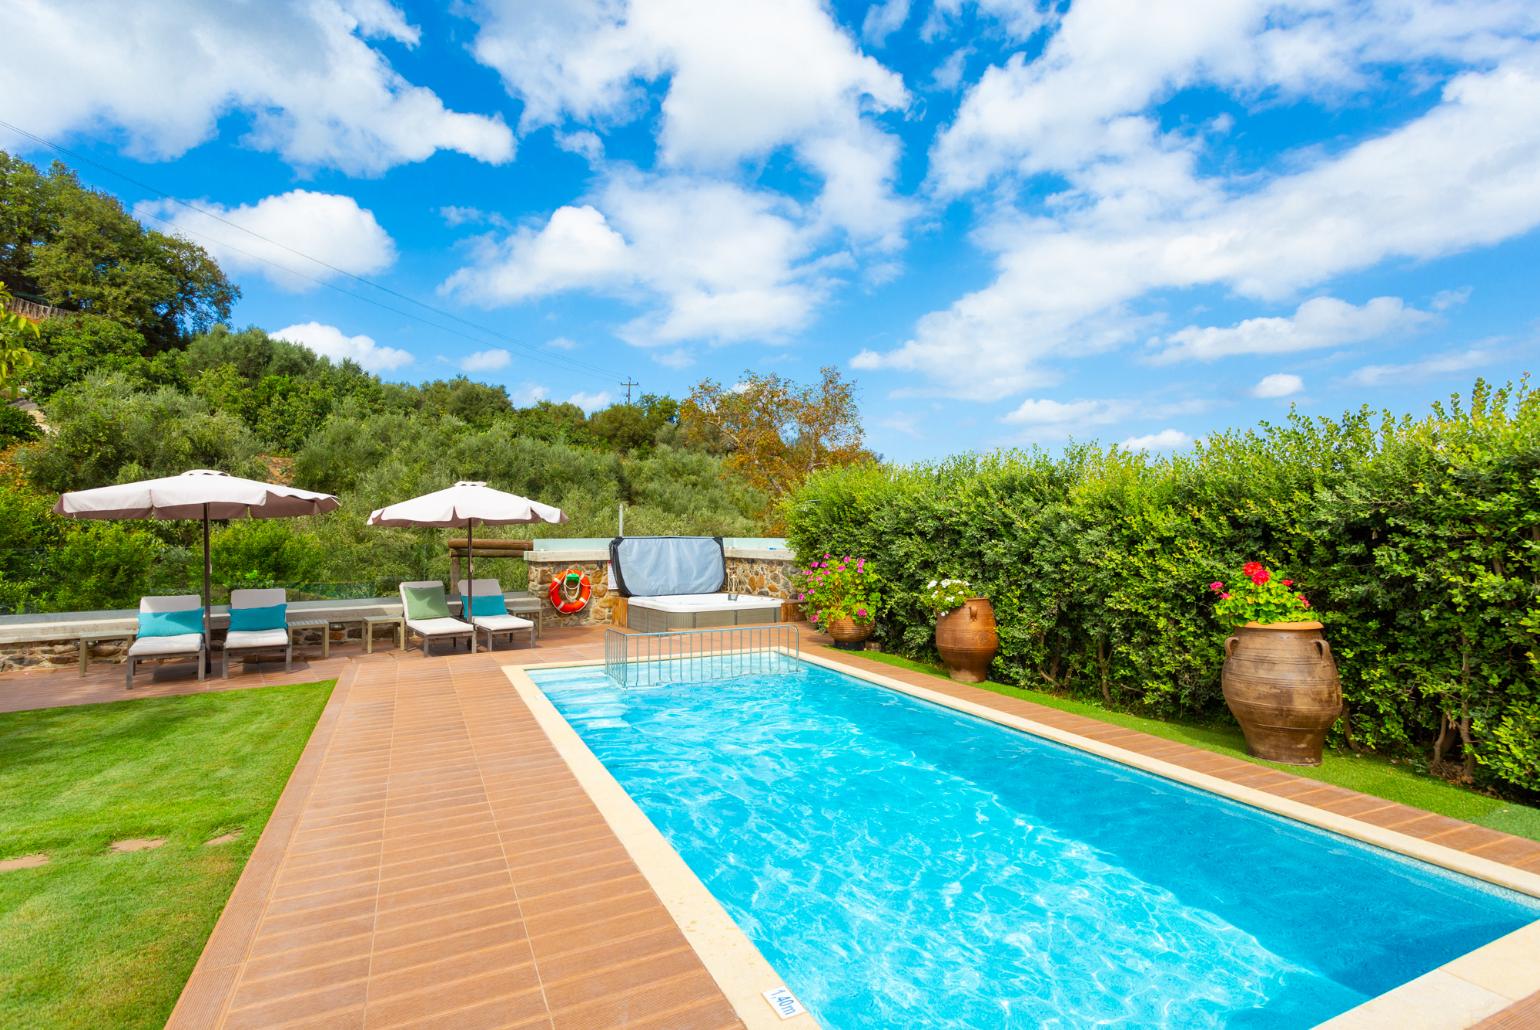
(904, 865)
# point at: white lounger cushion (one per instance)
(703, 602)
(151, 647)
(256, 638)
(439, 627)
(501, 623)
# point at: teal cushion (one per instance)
(250, 620)
(483, 604)
(426, 602)
(170, 624)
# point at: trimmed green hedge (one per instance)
(1418, 540)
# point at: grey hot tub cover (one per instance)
(646, 566)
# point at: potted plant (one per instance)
(841, 597)
(966, 634)
(1279, 678)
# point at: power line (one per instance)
(568, 364)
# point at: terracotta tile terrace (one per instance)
(433, 860)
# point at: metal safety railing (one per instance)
(699, 655)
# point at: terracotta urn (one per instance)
(848, 633)
(1281, 684)
(967, 639)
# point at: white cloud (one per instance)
(1443, 300)
(590, 402)
(1019, 18)
(1067, 281)
(586, 145)
(325, 226)
(949, 73)
(1318, 322)
(528, 394)
(1165, 440)
(561, 343)
(456, 215)
(712, 261)
(575, 249)
(1111, 59)
(883, 19)
(1279, 384)
(743, 80)
(331, 342)
(486, 360)
(303, 73)
(1437, 365)
(1043, 420)
(1038, 412)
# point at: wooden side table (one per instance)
(528, 608)
(326, 632)
(371, 622)
(87, 641)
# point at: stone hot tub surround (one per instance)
(756, 571)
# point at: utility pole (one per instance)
(628, 384)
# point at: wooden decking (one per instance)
(433, 862)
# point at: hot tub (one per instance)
(664, 612)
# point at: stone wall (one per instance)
(605, 607)
(759, 573)
(65, 654)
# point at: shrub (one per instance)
(1418, 538)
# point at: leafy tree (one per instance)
(106, 431)
(774, 432)
(78, 249)
(632, 428)
(475, 404)
(72, 348)
(15, 359)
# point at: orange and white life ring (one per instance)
(570, 591)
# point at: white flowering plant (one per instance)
(946, 595)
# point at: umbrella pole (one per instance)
(208, 639)
(470, 578)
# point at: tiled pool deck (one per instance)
(434, 861)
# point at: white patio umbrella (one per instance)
(199, 494)
(467, 504)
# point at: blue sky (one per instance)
(1012, 223)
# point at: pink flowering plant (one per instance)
(839, 588)
(1259, 596)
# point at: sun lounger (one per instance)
(169, 627)
(490, 614)
(259, 622)
(427, 613)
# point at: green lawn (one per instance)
(1401, 782)
(98, 939)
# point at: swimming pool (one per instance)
(902, 864)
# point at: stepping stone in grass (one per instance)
(24, 862)
(123, 847)
(223, 838)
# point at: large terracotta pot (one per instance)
(967, 639)
(848, 633)
(1281, 684)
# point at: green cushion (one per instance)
(426, 602)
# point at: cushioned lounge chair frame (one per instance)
(420, 627)
(177, 603)
(246, 643)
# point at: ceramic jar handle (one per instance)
(1322, 648)
(1230, 643)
